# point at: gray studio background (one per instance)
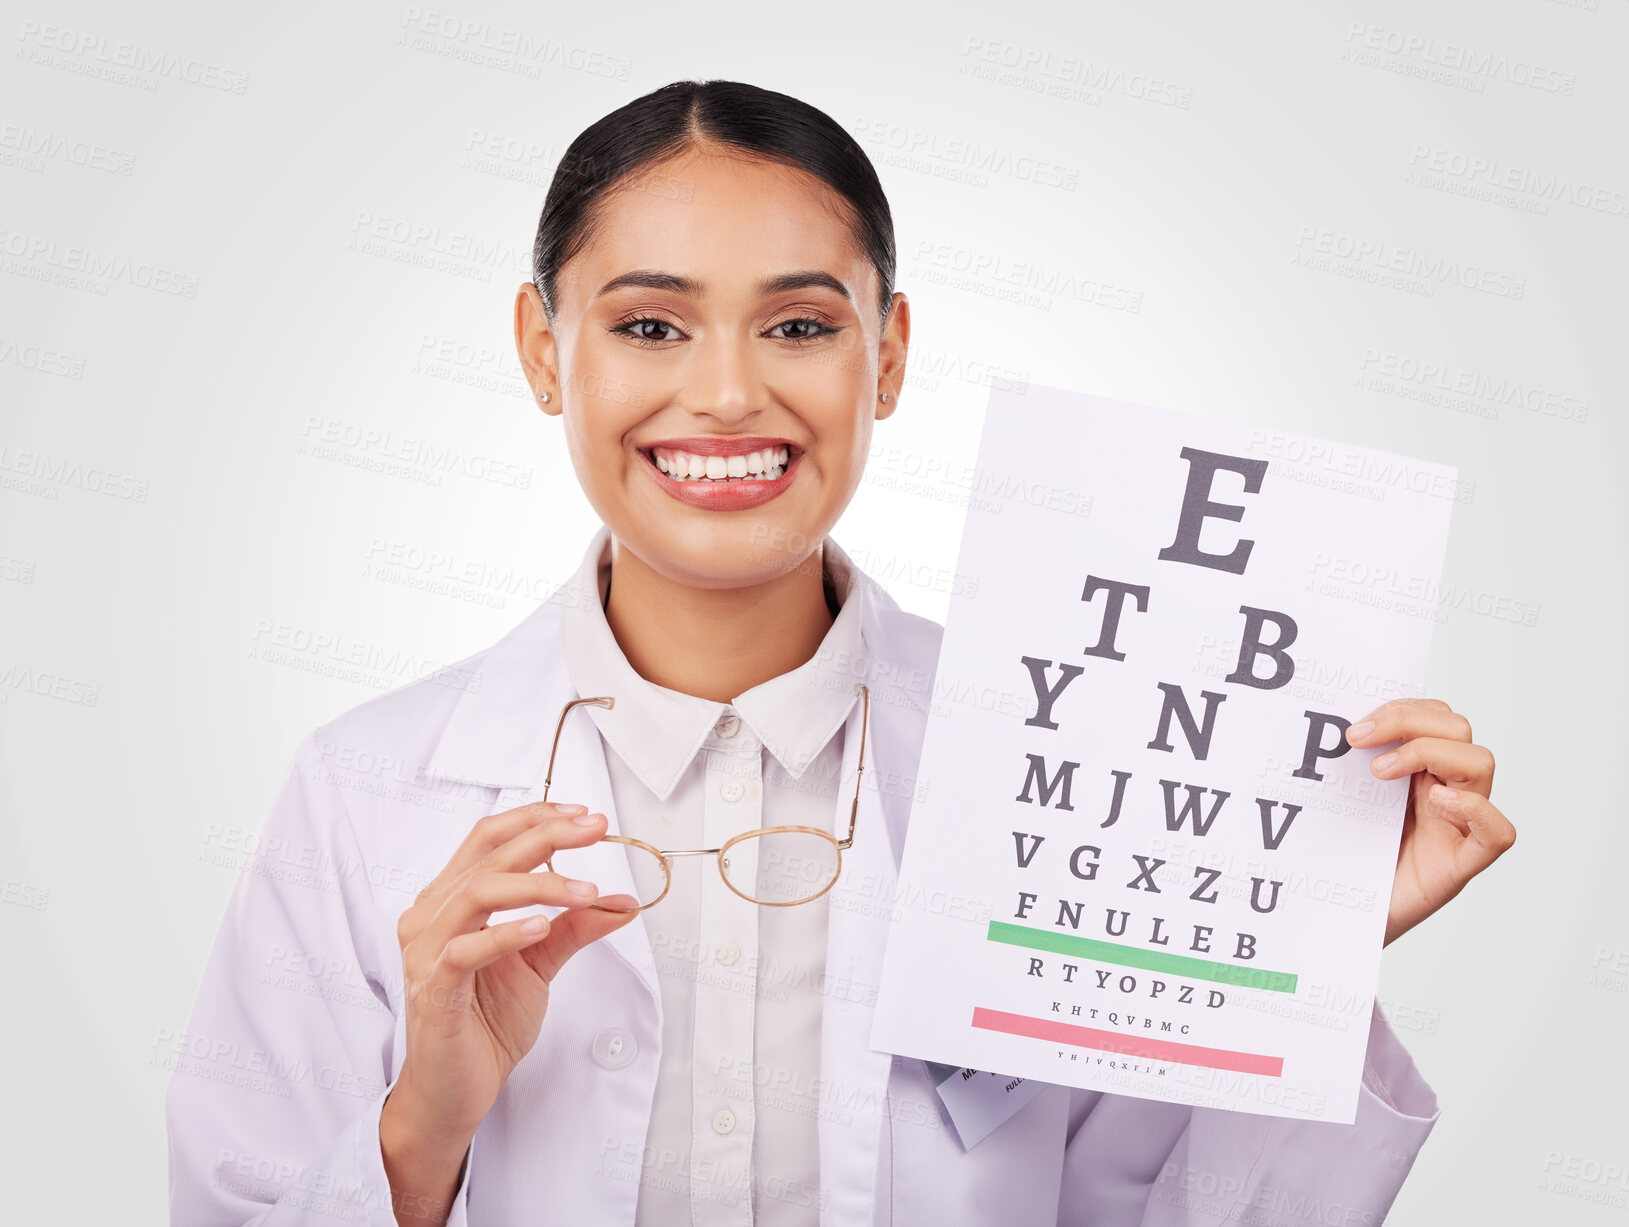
(307, 224)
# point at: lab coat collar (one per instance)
(657, 731)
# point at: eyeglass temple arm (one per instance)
(859, 770)
(605, 701)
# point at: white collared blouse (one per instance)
(733, 1133)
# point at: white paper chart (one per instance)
(1136, 759)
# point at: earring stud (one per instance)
(885, 398)
(543, 396)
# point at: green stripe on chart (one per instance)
(1136, 956)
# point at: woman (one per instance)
(430, 1000)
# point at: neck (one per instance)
(715, 643)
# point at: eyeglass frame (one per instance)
(842, 845)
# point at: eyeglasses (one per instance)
(779, 866)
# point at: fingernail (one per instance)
(1443, 793)
(535, 925)
(1385, 761)
(572, 809)
(1362, 729)
(580, 888)
(587, 820)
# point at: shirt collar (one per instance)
(658, 731)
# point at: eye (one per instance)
(647, 330)
(802, 330)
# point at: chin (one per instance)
(732, 552)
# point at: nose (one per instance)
(720, 381)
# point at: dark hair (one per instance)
(682, 114)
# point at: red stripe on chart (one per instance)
(1110, 1041)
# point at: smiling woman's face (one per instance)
(718, 360)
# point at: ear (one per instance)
(535, 345)
(891, 352)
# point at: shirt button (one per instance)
(728, 727)
(723, 1121)
(729, 954)
(732, 790)
(614, 1048)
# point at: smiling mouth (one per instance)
(763, 464)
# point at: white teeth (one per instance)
(765, 464)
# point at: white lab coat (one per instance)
(297, 1032)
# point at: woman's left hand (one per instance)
(1451, 831)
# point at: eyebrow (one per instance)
(652, 279)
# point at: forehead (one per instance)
(727, 219)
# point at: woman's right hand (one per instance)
(475, 996)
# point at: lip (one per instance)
(724, 495)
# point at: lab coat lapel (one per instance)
(581, 777)
(500, 736)
(856, 1078)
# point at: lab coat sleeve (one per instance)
(1141, 1163)
(272, 1110)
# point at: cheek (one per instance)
(854, 438)
(604, 372)
(594, 432)
(844, 448)
(614, 382)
